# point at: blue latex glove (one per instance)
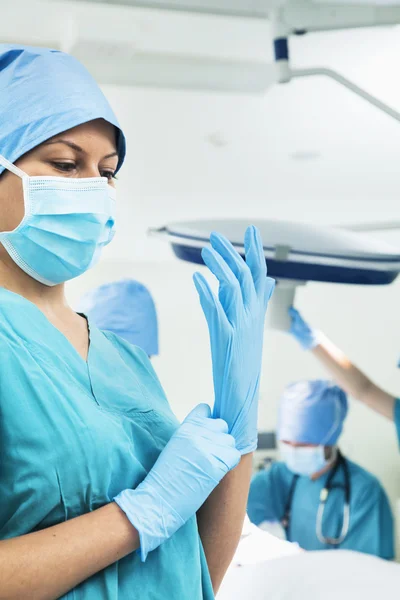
(299, 329)
(194, 461)
(236, 325)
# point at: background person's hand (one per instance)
(301, 331)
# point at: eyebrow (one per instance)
(76, 147)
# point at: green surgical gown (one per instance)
(371, 521)
(73, 434)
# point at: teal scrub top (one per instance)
(371, 521)
(73, 434)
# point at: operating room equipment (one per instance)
(295, 253)
(267, 450)
(122, 55)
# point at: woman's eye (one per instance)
(108, 174)
(64, 166)
(69, 167)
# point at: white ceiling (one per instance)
(131, 45)
(194, 155)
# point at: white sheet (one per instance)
(324, 575)
(258, 545)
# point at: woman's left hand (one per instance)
(236, 326)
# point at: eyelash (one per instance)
(70, 166)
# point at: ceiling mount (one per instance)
(182, 44)
(298, 17)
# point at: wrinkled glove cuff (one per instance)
(246, 445)
(153, 518)
(247, 448)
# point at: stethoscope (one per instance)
(323, 498)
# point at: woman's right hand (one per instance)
(197, 457)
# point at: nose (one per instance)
(90, 170)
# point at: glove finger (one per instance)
(223, 440)
(201, 411)
(217, 425)
(218, 267)
(206, 295)
(236, 264)
(295, 319)
(209, 302)
(229, 440)
(255, 258)
(229, 295)
(269, 289)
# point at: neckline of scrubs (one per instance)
(60, 334)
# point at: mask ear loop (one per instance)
(10, 167)
(25, 179)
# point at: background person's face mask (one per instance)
(66, 224)
(304, 460)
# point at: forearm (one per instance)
(221, 517)
(352, 380)
(46, 564)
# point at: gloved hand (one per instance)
(236, 326)
(299, 329)
(194, 461)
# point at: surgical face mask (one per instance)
(66, 224)
(304, 460)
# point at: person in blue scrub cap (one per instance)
(126, 308)
(99, 482)
(322, 499)
(356, 383)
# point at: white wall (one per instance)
(195, 155)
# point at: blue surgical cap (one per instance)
(44, 92)
(126, 308)
(312, 412)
